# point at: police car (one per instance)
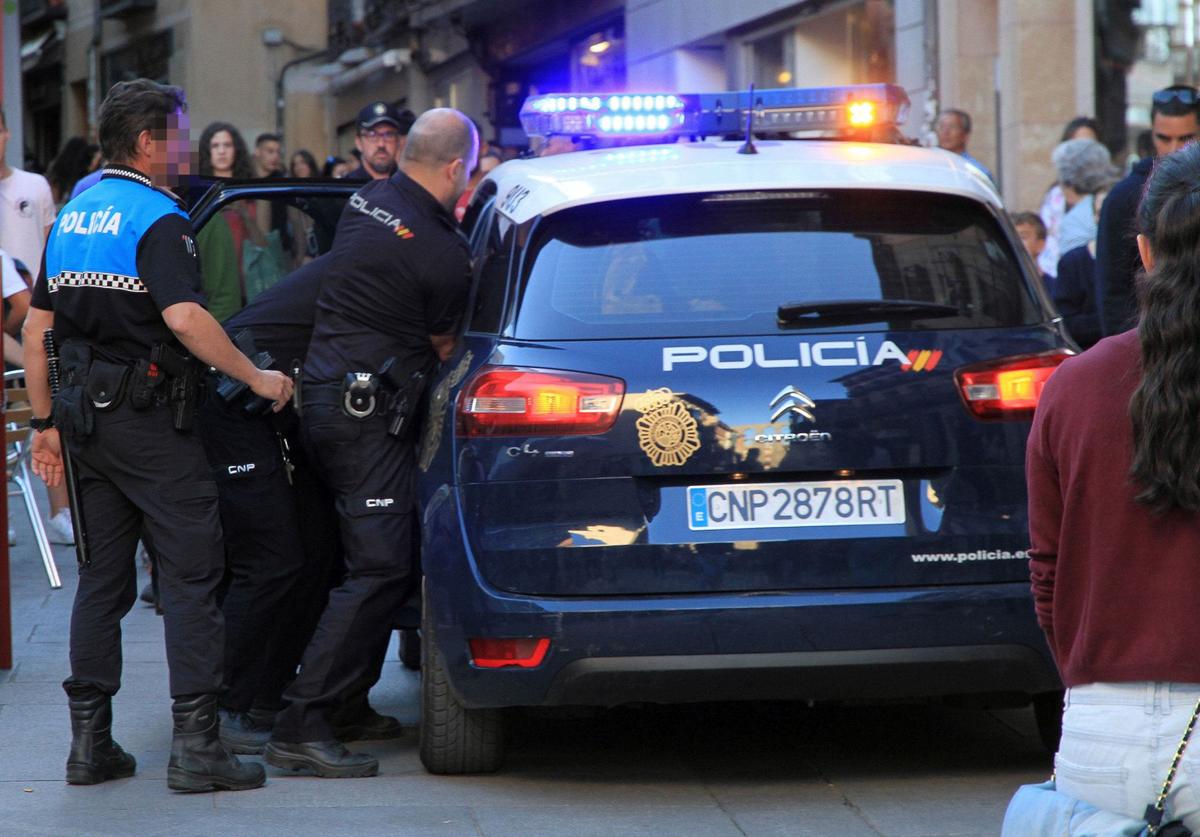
(728, 426)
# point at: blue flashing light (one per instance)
(839, 110)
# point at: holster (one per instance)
(183, 393)
(406, 392)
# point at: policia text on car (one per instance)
(393, 292)
(120, 291)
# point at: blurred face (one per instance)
(170, 156)
(950, 133)
(267, 155)
(300, 167)
(1029, 237)
(340, 169)
(378, 146)
(3, 143)
(1084, 132)
(221, 153)
(1171, 133)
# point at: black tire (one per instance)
(454, 739)
(410, 649)
(1047, 710)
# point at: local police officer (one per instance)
(388, 307)
(120, 290)
(281, 530)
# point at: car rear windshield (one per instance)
(723, 264)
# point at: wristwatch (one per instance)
(40, 424)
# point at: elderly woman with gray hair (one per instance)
(1086, 167)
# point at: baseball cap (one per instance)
(379, 112)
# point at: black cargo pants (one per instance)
(264, 553)
(135, 470)
(371, 475)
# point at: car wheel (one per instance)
(1048, 709)
(454, 738)
(410, 649)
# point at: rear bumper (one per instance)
(816, 675)
(875, 645)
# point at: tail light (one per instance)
(513, 401)
(505, 653)
(1007, 389)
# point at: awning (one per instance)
(43, 48)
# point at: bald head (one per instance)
(441, 136)
(441, 153)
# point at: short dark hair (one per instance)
(964, 118)
(1181, 104)
(1030, 219)
(261, 138)
(132, 107)
(1077, 123)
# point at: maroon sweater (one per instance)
(1116, 587)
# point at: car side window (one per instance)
(491, 262)
(252, 242)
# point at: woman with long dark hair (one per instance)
(223, 153)
(1113, 468)
(303, 164)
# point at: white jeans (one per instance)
(1118, 742)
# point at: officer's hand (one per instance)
(46, 453)
(273, 386)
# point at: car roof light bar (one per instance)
(846, 110)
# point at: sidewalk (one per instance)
(35, 734)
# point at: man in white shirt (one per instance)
(16, 298)
(26, 209)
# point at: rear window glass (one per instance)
(723, 264)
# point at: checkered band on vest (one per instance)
(113, 281)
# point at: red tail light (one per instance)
(503, 653)
(1007, 389)
(511, 401)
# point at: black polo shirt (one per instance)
(399, 271)
(281, 317)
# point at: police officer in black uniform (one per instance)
(382, 132)
(388, 308)
(281, 530)
(120, 289)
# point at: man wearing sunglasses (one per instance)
(382, 131)
(1174, 122)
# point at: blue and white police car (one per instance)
(729, 426)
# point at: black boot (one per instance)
(242, 734)
(327, 759)
(94, 757)
(199, 761)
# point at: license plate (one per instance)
(780, 504)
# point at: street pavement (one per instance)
(700, 771)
